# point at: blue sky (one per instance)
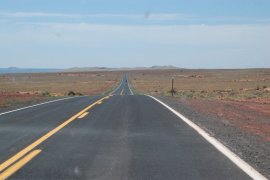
(132, 33)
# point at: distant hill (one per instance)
(82, 69)
(10, 70)
(164, 67)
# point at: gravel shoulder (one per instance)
(242, 127)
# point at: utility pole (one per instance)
(172, 86)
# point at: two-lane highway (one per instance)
(123, 88)
(115, 137)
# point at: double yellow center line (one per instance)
(18, 165)
(6, 167)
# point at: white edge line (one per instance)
(37, 105)
(249, 170)
(131, 92)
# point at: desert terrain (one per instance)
(231, 105)
(24, 89)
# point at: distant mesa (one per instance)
(11, 70)
(81, 69)
(14, 68)
(165, 67)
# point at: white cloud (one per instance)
(157, 17)
(150, 16)
(37, 14)
(226, 35)
(193, 35)
(175, 44)
(169, 16)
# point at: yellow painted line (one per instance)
(18, 165)
(100, 102)
(20, 154)
(83, 115)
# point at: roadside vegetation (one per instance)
(251, 85)
(25, 89)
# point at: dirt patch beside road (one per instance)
(248, 116)
(17, 90)
(244, 127)
(9, 101)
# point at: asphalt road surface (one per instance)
(122, 136)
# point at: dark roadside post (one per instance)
(172, 85)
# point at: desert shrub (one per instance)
(79, 94)
(190, 95)
(46, 94)
(258, 88)
(264, 87)
(71, 93)
(258, 94)
(202, 96)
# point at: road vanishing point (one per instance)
(120, 136)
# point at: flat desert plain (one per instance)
(24, 89)
(231, 105)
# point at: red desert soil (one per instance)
(11, 99)
(252, 117)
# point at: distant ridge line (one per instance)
(15, 70)
(81, 69)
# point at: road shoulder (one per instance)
(245, 145)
